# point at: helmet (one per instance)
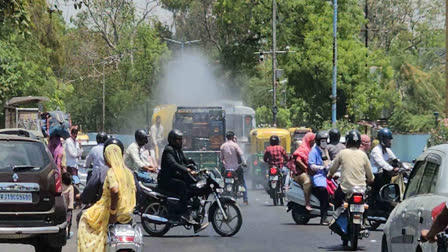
(113, 141)
(230, 135)
(173, 136)
(274, 140)
(335, 135)
(141, 137)
(383, 135)
(353, 139)
(101, 137)
(321, 135)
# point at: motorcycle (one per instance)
(233, 186)
(275, 185)
(348, 219)
(296, 204)
(159, 216)
(125, 237)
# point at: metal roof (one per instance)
(26, 99)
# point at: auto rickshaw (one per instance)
(259, 140)
(297, 134)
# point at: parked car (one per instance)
(426, 189)
(32, 209)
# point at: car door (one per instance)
(399, 229)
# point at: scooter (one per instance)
(125, 237)
(296, 204)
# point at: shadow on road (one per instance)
(340, 247)
(179, 236)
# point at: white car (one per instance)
(427, 188)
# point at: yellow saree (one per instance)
(92, 230)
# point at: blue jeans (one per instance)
(240, 174)
(146, 177)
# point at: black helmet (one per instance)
(335, 136)
(383, 135)
(101, 137)
(141, 137)
(274, 140)
(230, 135)
(320, 136)
(173, 136)
(113, 141)
(353, 139)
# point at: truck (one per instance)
(25, 121)
(203, 129)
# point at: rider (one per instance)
(354, 165)
(334, 147)
(95, 156)
(136, 161)
(438, 225)
(275, 154)
(379, 158)
(174, 176)
(232, 159)
(319, 163)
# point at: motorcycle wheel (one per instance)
(300, 215)
(152, 229)
(281, 201)
(275, 197)
(234, 219)
(354, 232)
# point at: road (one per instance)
(265, 228)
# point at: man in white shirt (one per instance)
(95, 156)
(136, 160)
(72, 152)
(157, 137)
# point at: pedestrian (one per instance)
(157, 137)
(232, 158)
(68, 193)
(73, 152)
(57, 151)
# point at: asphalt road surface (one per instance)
(265, 228)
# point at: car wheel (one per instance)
(384, 244)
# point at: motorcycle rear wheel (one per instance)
(275, 198)
(354, 233)
(156, 208)
(233, 212)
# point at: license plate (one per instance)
(357, 208)
(229, 180)
(273, 177)
(16, 198)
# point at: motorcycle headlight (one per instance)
(219, 190)
(201, 184)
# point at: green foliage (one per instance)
(439, 135)
(342, 125)
(404, 122)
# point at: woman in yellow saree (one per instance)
(115, 205)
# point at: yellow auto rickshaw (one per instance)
(259, 140)
(297, 134)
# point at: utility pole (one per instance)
(446, 59)
(335, 61)
(274, 86)
(104, 100)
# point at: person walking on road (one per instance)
(73, 152)
(232, 159)
(157, 137)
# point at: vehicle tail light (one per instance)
(357, 199)
(255, 162)
(229, 174)
(58, 182)
(273, 170)
(125, 238)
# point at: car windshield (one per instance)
(21, 153)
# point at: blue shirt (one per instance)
(95, 157)
(319, 178)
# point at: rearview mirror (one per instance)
(390, 192)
